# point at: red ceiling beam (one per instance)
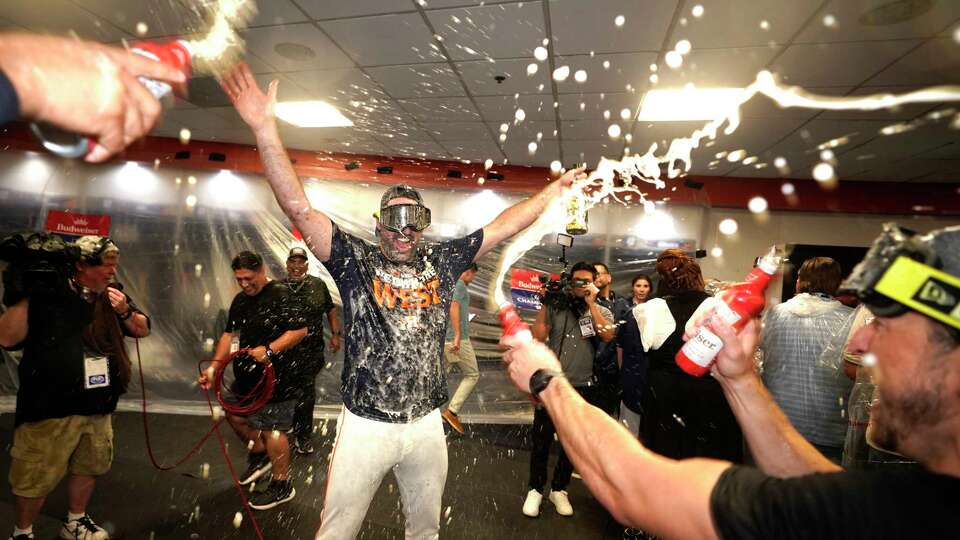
(937, 199)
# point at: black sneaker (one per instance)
(277, 493)
(303, 445)
(259, 466)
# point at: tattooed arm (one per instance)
(256, 109)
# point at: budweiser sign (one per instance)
(71, 224)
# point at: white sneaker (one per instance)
(531, 506)
(82, 529)
(560, 500)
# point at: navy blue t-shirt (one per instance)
(395, 318)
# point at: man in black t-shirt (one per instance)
(911, 284)
(315, 304)
(263, 319)
(73, 371)
(396, 295)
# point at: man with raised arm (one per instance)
(912, 285)
(396, 297)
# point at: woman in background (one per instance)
(632, 359)
(641, 286)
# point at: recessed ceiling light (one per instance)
(884, 12)
(311, 114)
(294, 51)
(688, 104)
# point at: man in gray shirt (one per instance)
(572, 327)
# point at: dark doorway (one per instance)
(847, 256)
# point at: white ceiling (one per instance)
(418, 76)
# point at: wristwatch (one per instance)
(540, 379)
(270, 353)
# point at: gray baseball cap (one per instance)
(400, 190)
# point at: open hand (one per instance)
(254, 106)
(570, 176)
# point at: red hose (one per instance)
(248, 404)
(244, 404)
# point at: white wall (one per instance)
(757, 233)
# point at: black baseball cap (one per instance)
(400, 190)
(297, 252)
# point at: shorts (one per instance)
(43, 452)
(274, 416)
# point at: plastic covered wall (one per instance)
(178, 229)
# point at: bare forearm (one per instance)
(137, 324)
(455, 318)
(317, 229)
(288, 339)
(628, 479)
(222, 351)
(540, 328)
(13, 324)
(775, 444)
(518, 217)
(604, 327)
(334, 321)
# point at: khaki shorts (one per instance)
(44, 451)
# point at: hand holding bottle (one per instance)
(741, 303)
(735, 359)
(102, 96)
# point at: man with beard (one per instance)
(911, 284)
(396, 296)
(73, 371)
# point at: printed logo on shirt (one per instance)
(418, 291)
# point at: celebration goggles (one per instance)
(900, 272)
(398, 217)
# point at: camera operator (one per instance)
(73, 371)
(573, 324)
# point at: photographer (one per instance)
(573, 324)
(74, 368)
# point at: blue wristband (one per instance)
(9, 101)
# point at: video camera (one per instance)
(38, 264)
(558, 292)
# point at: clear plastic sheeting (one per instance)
(857, 450)
(813, 396)
(178, 229)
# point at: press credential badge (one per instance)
(96, 372)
